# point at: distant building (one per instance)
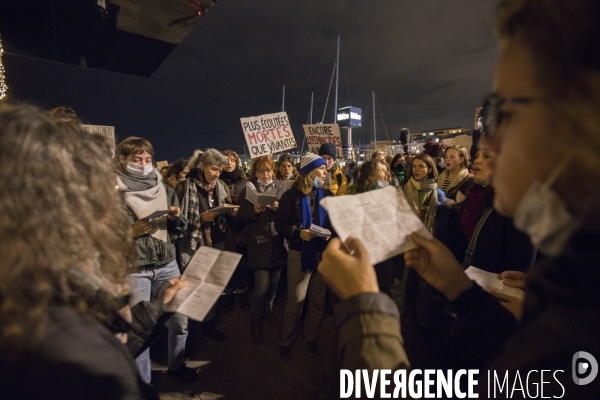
(438, 133)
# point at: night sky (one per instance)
(430, 62)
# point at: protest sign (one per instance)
(268, 134)
(318, 134)
(106, 131)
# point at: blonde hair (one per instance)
(462, 152)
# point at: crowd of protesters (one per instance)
(86, 277)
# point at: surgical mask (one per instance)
(261, 183)
(383, 184)
(543, 215)
(442, 163)
(139, 170)
(317, 183)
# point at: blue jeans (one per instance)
(265, 287)
(144, 284)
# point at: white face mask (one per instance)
(543, 215)
(383, 184)
(442, 163)
(139, 170)
(265, 184)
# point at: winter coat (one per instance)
(422, 197)
(288, 219)
(146, 255)
(339, 182)
(264, 246)
(561, 317)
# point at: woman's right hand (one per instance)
(307, 235)
(258, 209)
(478, 111)
(437, 265)
(141, 227)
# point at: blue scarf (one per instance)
(309, 259)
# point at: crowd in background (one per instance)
(87, 276)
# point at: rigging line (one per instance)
(304, 137)
(345, 75)
(328, 93)
(378, 106)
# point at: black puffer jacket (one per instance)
(265, 248)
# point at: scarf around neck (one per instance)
(231, 177)
(142, 203)
(309, 259)
(460, 175)
(136, 183)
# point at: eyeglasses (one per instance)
(268, 171)
(492, 114)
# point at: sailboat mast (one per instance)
(374, 124)
(283, 100)
(337, 74)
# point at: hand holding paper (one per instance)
(381, 219)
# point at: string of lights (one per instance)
(3, 87)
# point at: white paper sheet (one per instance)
(208, 273)
(490, 281)
(224, 208)
(381, 219)
(156, 214)
(259, 199)
(319, 231)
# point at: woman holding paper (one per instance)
(141, 187)
(546, 90)
(299, 208)
(201, 192)
(266, 253)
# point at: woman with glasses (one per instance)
(546, 91)
(266, 253)
(299, 208)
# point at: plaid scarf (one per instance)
(197, 233)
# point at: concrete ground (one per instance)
(238, 369)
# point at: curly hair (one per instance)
(238, 161)
(65, 237)
(171, 173)
(367, 170)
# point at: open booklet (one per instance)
(381, 219)
(224, 208)
(490, 281)
(208, 273)
(319, 231)
(259, 199)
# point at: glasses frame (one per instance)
(492, 114)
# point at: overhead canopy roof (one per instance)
(127, 36)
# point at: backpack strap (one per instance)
(473, 244)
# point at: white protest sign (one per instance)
(267, 134)
(318, 134)
(106, 131)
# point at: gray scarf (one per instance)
(136, 183)
(144, 195)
